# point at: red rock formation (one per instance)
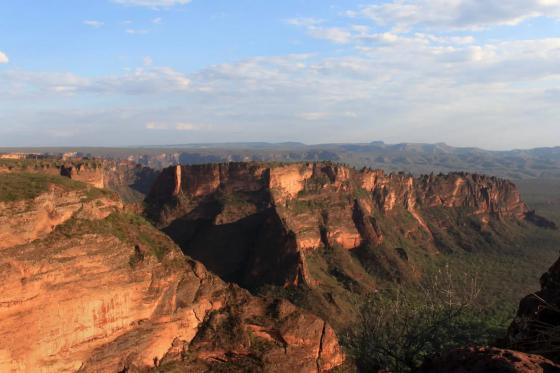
(95, 298)
(24, 221)
(130, 180)
(316, 204)
(488, 360)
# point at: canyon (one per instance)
(91, 287)
(233, 266)
(253, 223)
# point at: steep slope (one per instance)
(330, 227)
(32, 205)
(112, 293)
(536, 328)
(129, 180)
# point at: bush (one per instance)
(397, 329)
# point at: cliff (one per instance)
(129, 180)
(52, 202)
(535, 328)
(103, 291)
(245, 219)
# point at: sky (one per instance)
(482, 73)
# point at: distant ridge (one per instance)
(416, 158)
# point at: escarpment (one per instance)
(129, 180)
(114, 294)
(242, 219)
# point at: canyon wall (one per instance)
(130, 180)
(311, 205)
(101, 290)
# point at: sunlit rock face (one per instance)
(86, 286)
(27, 220)
(248, 220)
(110, 294)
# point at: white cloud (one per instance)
(395, 86)
(157, 20)
(304, 21)
(3, 58)
(138, 82)
(456, 14)
(153, 3)
(187, 127)
(93, 23)
(156, 126)
(132, 31)
(334, 34)
(314, 116)
(181, 126)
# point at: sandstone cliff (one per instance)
(111, 294)
(245, 219)
(130, 180)
(55, 202)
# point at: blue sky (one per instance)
(137, 72)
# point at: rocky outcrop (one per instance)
(92, 175)
(115, 295)
(129, 180)
(488, 360)
(537, 324)
(219, 213)
(27, 220)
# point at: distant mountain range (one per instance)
(407, 157)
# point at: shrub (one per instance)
(399, 328)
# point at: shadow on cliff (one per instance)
(251, 251)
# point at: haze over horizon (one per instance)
(152, 72)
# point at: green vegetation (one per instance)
(22, 186)
(506, 257)
(46, 163)
(398, 328)
(543, 195)
(129, 228)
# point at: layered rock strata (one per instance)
(112, 294)
(245, 219)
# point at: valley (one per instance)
(183, 256)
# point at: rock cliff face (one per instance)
(488, 360)
(24, 221)
(536, 326)
(110, 293)
(245, 219)
(130, 180)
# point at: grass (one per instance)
(129, 228)
(46, 163)
(23, 186)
